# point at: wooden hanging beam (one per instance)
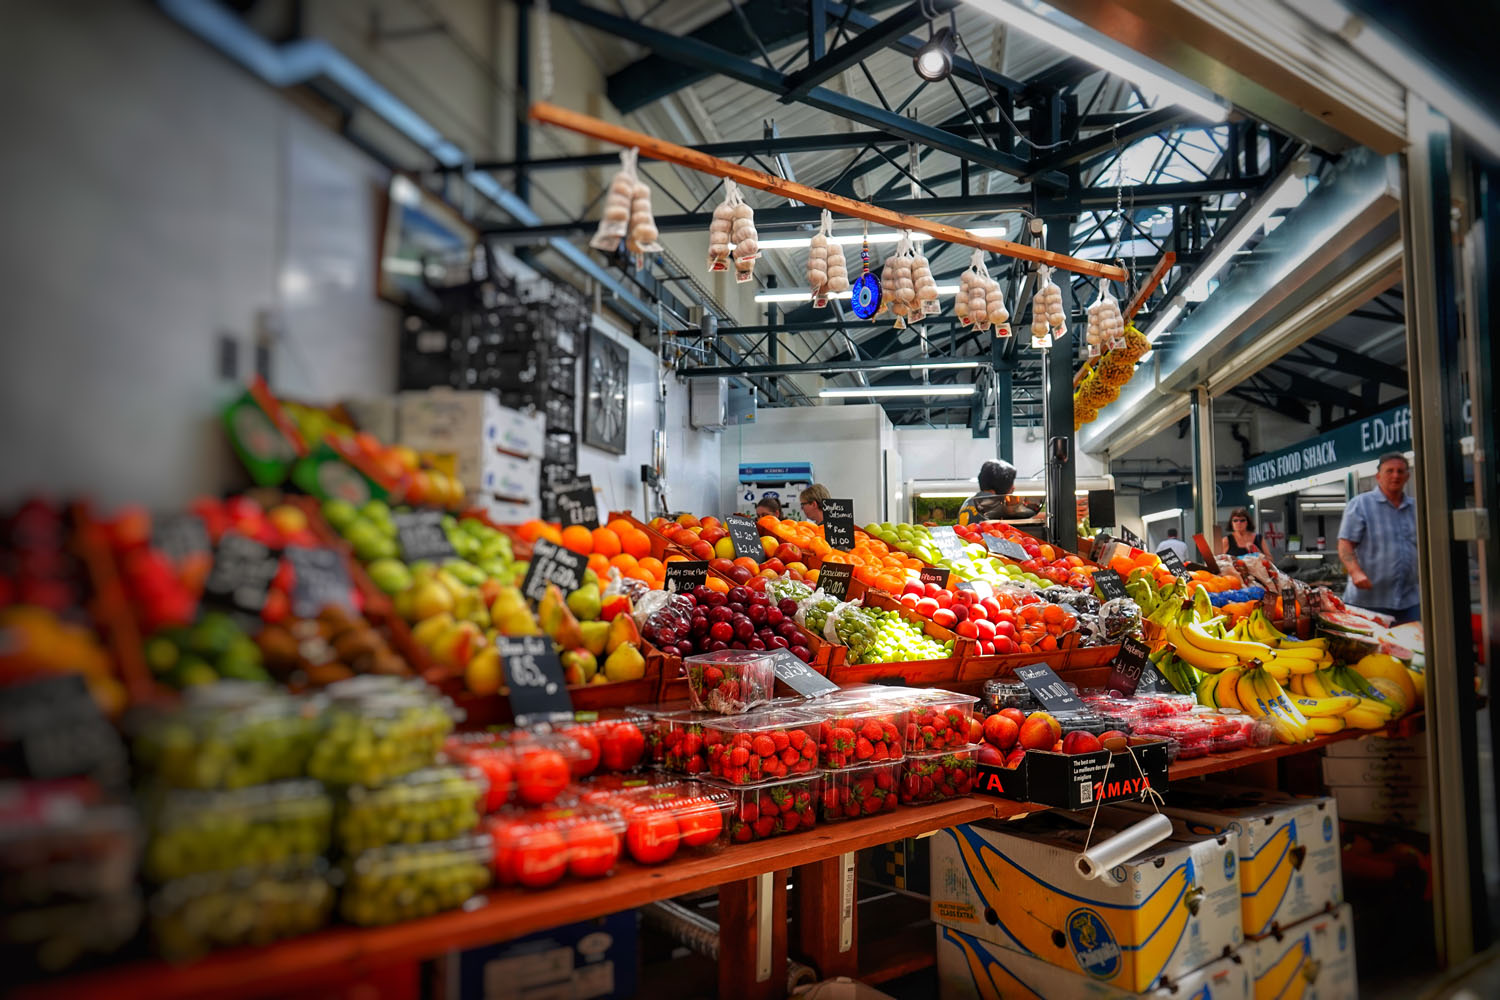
(1158, 273)
(657, 149)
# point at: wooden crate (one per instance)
(915, 673)
(660, 547)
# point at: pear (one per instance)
(599, 678)
(428, 630)
(455, 646)
(595, 636)
(429, 599)
(557, 619)
(625, 664)
(579, 666)
(482, 674)
(622, 632)
(454, 585)
(510, 614)
(584, 602)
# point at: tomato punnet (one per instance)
(593, 848)
(652, 837)
(540, 776)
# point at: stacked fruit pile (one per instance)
(705, 620)
(999, 624)
(1010, 732)
(1042, 560)
(1102, 385)
(873, 635)
(417, 483)
(618, 545)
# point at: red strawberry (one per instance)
(789, 821)
(764, 746)
(781, 739)
(764, 827)
(738, 756)
(864, 749)
(870, 730)
(741, 833)
(797, 738)
(808, 819)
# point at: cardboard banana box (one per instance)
(1311, 960)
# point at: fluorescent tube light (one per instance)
(1162, 515)
(896, 366)
(1324, 506)
(900, 390)
(1163, 321)
(1075, 38)
(805, 295)
(855, 239)
(1308, 555)
(944, 496)
(1287, 191)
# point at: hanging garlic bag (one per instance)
(615, 224)
(719, 230)
(888, 287)
(904, 293)
(961, 301)
(742, 234)
(927, 293)
(1106, 316)
(817, 263)
(838, 267)
(979, 310)
(642, 238)
(995, 311)
(1046, 310)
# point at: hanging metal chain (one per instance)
(544, 42)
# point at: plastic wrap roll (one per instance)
(1123, 846)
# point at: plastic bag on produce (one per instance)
(830, 625)
(614, 225)
(642, 239)
(1106, 324)
(926, 285)
(743, 239)
(1047, 316)
(1120, 617)
(626, 586)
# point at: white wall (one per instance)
(156, 196)
(841, 442)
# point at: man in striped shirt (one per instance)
(1378, 544)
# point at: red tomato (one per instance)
(701, 824)
(593, 848)
(590, 744)
(540, 857)
(623, 746)
(540, 776)
(652, 837)
(496, 770)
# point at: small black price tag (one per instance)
(1173, 562)
(838, 523)
(51, 728)
(1048, 688)
(1006, 548)
(1125, 672)
(1101, 506)
(947, 541)
(1109, 584)
(242, 573)
(421, 536)
(575, 503)
(1152, 682)
(745, 536)
(684, 575)
(1130, 538)
(834, 578)
(534, 676)
(552, 564)
(934, 574)
(179, 535)
(799, 676)
(319, 579)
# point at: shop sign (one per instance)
(1349, 445)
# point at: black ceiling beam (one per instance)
(862, 45)
(1278, 404)
(828, 366)
(694, 52)
(1148, 123)
(1350, 361)
(908, 45)
(1314, 390)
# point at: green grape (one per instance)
(434, 804)
(252, 906)
(205, 831)
(391, 884)
(373, 740)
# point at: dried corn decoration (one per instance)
(1106, 324)
(743, 236)
(719, 230)
(615, 224)
(1107, 376)
(926, 284)
(817, 264)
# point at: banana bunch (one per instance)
(1183, 677)
(1372, 707)
(1211, 648)
(1255, 692)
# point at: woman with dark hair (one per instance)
(992, 502)
(1240, 537)
(768, 505)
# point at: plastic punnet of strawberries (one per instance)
(761, 746)
(730, 681)
(770, 810)
(938, 777)
(939, 720)
(860, 791)
(855, 735)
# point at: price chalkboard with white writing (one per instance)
(947, 541)
(552, 564)
(745, 536)
(684, 575)
(1173, 562)
(1109, 584)
(1048, 688)
(421, 536)
(834, 578)
(1130, 538)
(575, 503)
(934, 574)
(320, 579)
(534, 676)
(1006, 548)
(838, 523)
(242, 573)
(1125, 671)
(800, 677)
(180, 535)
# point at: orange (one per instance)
(718, 583)
(599, 564)
(674, 557)
(1122, 565)
(578, 538)
(640, 574)
(606, 542)
(636, 542)
(624, 562)
(652, 566)
(552, 533)
(529, 530)
(619, 526)
(812, 578)
(767, 524)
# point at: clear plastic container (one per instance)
(252, 906)
(1009, 693)
(435, 803)
(852, 792)
(604, 787)
(407, 881)
(197, 830)
(230, 740)
(1086, 720)
(612, 744)
(858, 733)
(665, 819)
(1193, 735)
(938, 777)
(683, 750)
(57, 847)
(761, 746)
(938, 720)
(371, 740)
(1231, 731)
(649, 719)
(731, 681)
(537, 847)
(52, 939)
(772, 809)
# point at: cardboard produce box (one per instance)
(472, 426)
(1288, 849)
(1076, 781)
(971, 969)
(593, 958)
(1378, 746)
(1403, 772)
(510, 477)
(1313, 959)
(1386, 805)
(1166, 912)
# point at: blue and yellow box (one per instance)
(971, 969)
(1311, 960)
(1162, 914)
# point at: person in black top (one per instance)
(991, 503)
(1240, 537)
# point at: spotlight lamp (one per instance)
(934, 61)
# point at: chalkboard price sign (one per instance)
(947, 541)
(799, 676)
(838, 523)
(1006, 548)
(745, 536)
(1130, 538)
(684, 575)
(1048, 688)
(934, 574)
(534, 676)
(552, 564)
(576, 504)
(319, 579)
(180, 535)
(834, 578)
(1173, 562)
(242, 573)
(1125, 672)
(421, 536)
(1109, 584)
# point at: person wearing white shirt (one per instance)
(1174, 543)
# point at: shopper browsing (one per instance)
(768, 506)
(1378, 544)
(1240, 537)
(992, 502)
(812, 502)
(1174, 544)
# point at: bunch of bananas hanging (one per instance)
(1102, 385)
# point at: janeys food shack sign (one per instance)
(1349, 445)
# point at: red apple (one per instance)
(701, 550)
(976, 730)
(788, 553)
(1015, 715)
(1001, 730)
(1079, 741)
(1014, 758)
(1040, 731)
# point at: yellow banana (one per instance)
(1381, 665)
(1296, 688)
(1320, 643)
(1293, 664)
(1224, 695)
(1260, 629)
(1315, 707)
(1352, 683)
(1245, 696)
(1197, 656)
(1244, 650)
(1275, 669)
(1365, 718)
(1204, 691)
(1254, 701)
(1313, 685)
(1282, 705)
(1325, 724)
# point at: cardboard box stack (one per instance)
(497, 450)
(1150, 924)
(1380, 780)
